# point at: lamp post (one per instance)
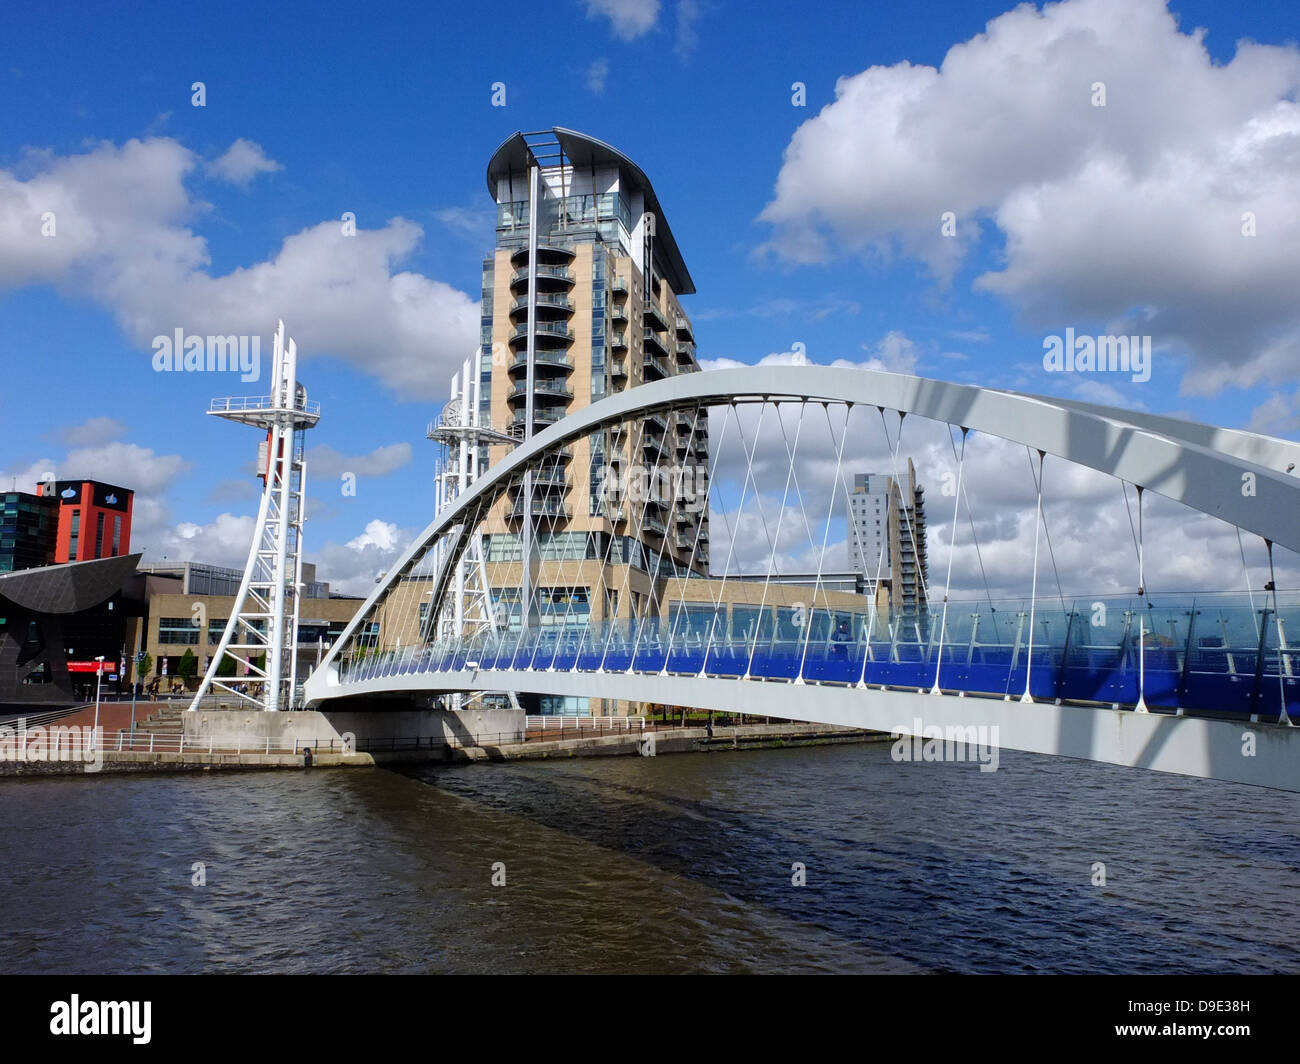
(99, 683)
(135, 677)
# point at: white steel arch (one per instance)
(1169, 458)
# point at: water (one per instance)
(672, 864)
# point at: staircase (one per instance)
(163, 725)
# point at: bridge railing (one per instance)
(1214, 652)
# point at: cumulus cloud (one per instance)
(629, 19)
(92, 432)
(149, 474)
(761, 515)
(1277, 416)
(122, 217)
(242, 162)
(894, 352)
(1133, 214)
(325, 461)
(223, 541)
(353, 567)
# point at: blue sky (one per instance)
(385, 111)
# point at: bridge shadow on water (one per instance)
(940, 866)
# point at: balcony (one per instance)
(618, 312)
(543, 509)
(683, 328)
(618, 284)
(653, 314)
(552, 254)
(655, 368)
(544, 328)
(617, 342)
(618, 368)
(544, 273)
(685, 352)
(544, 299)
(654, 345)
(550, 476)
(542, 416)
(545, 357)
(557, 386)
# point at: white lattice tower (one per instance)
(263, 623)
(468, 611)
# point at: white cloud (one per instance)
(473, 222)
(1130, 213)
(893, 353)
(92, 432)
(325, 462)
(128, 465)
(628, 18)
(597, 75)
(242, 162)
(234, 490)
(122, 239)
(353, 567)
(224, 541)
(688, 37)
(1277, 416)
(1085, 511)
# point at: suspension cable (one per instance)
(952, 547)
(771, 558)
(1033, 594)
(731, 539)
(821, 561)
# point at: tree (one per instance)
(187, 667)
(143, 669)
(226, 666)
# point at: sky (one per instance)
(932, 188)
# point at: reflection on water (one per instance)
(670, 864)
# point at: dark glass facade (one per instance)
(29, 527)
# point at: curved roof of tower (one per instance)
(514, 157)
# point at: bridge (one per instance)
(1199, 684)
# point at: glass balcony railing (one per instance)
(544, 328)
(544, 387)
(552, 273)
(544, 299)
(655, 367)
(548, 357)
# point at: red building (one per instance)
(94, 519)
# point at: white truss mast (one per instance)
(468, 611)
(261, 636)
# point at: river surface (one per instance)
(672, 864)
